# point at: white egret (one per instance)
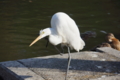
(63, 31)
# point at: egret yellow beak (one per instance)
(38, 38)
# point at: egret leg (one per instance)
(58, 50)
(69, 59)
(47, 43)
(62, 49)
(55, 48)
(46, 38)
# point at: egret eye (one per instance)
(43, 32)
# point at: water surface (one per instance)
(21, 20)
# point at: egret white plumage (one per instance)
(63, 31)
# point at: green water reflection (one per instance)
(21, 20)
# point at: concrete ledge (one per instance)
(110, 51)
(7, 74)
(20, 71)
(84, 65)
(116, 77)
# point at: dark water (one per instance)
(21, 20)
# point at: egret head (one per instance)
(42, 34)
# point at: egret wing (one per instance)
(68, 30)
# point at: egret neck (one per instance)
(54, 38)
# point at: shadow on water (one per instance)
(20, 22)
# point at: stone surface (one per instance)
(110, 51)
(21, 71)
(84, 65)
(7, 74)
(116, 77)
